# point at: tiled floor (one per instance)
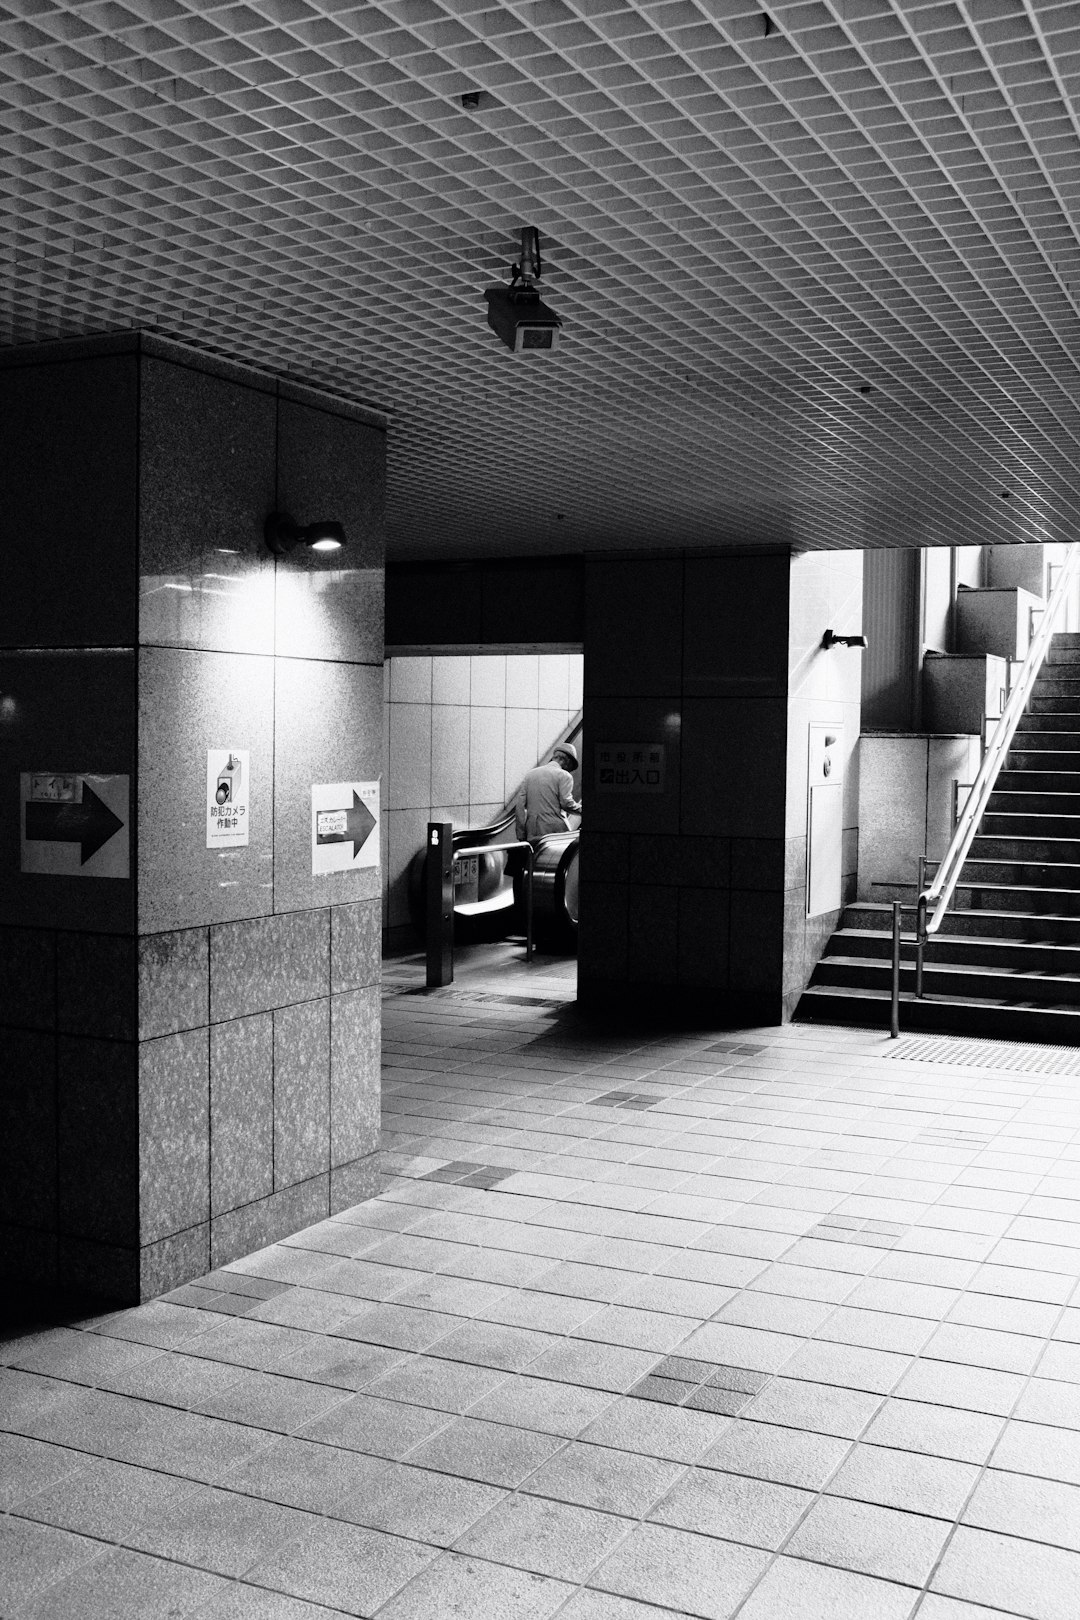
(642, 1326)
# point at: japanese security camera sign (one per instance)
(344, 826)
(227, 784)
(75, 824)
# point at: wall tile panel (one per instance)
(345, 745)
(28, 977)
(95, 985)
(355, 1034)
(70, 428)
(174, 981)
(28, 1128)
(355, 946)
(268, 962)
(206, 485)
(240, 1231)
(301, 1091)
(174, 1133)
(331, 466)
(98, 1140)
(190, 702)
(241, 1111)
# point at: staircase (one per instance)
(1006, 961)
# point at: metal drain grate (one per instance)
(701, 1385)
(988, 1055)
(487, 997)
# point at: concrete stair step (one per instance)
(945, 979)
(1033, 779)
(968, 1015)
(1027, 897)
(1035, 927)
(1065, 722)
(1013, 824)
(1066, 703)
(1026, 758)
(1025, 847)
(1061, 875)
(1015, 802)
(957, 950)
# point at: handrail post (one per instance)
(894, 1020)
(920, 944)
(529, 854)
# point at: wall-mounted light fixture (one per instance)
(831, 639)
(282, 534)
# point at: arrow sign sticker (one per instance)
(344, 826)
(75, 824)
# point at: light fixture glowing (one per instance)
(282, 534)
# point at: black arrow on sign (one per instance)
(358, 824)
(89, 824)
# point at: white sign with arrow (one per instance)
(344, 826)
(75, 824)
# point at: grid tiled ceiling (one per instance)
(819, 269)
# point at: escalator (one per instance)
(489, 893)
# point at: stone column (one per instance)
(190, 1035)
(693, 898)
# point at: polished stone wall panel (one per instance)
(70, 431)
(253, 1226)
(190, 702)
(331, 466)
(705, 947)
(633, 641)
(735, 630)
(603, 940)
(652, 935)
(328, 728)
(95, 985)
(174, 1260)
(355, 945)
(356, 1182)
(174, 981)
(206, 485)
(174, 1133)
(28, 977)
(98, 1140)
(301, 1091)
(28, 1128)
(268, 962)
(355, 1050)
(241, 1111)
(734, 762)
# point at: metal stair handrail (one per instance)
(939, 893)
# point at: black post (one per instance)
(440, 903)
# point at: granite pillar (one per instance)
(693, 890)
(189, 1036)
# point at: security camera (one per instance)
(517, 313)
(521, 318)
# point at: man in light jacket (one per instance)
(547, 795)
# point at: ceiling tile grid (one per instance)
(819, 266)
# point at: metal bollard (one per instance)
(440, 903)
(894, 1021)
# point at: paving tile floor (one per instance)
(766, 1324)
